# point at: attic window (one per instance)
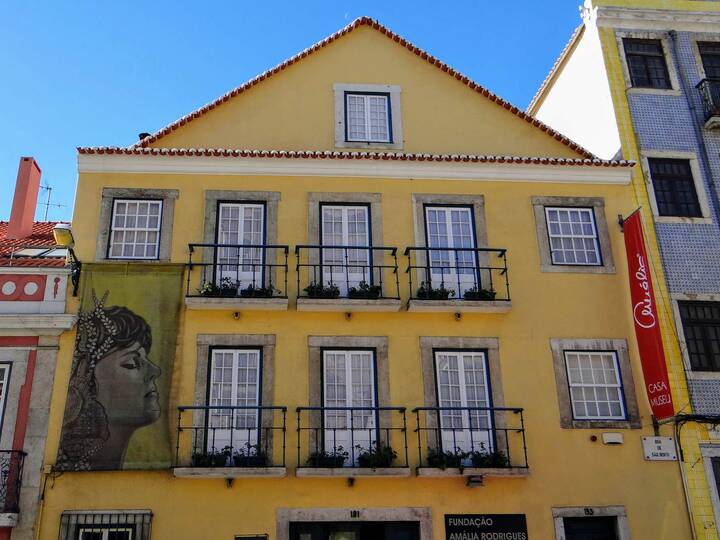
(367, 117)
(41, 253)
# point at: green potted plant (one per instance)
(478, 293)
(365, 290)
(255, 291)
(427, 292)
(211, 458)
(376, 456)
(227, 287)
(448, 459)
(251, 455)
(208, 288)
(320, 290)
(489, 459)
(328, 458)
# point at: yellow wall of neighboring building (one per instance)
(685, 5)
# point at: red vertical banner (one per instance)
(645, 317)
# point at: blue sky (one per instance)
(81, 73)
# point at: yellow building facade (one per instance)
(383, 303)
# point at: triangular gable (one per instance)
(156, 139)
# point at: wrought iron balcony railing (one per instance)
(458, 273)
(710, 95)
(11, 470)
(355, 272)
(237, 270)
(360, 437)
(471, 437)
(230, 436)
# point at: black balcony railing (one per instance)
(237, 270)
(237, 436)
(463, 437)
(366, 437)
(11, 469)
(457, 273)
(710, 95)
(355, 272)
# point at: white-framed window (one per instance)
(234, 381)
(451, 227)
(349, 381)
(105, 533)
(135, 229)
(242, 225)
(367, 117)
(345, 225)
(462, 381)
(4, 379)
(573, 236)
(595, 383)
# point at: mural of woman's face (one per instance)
(126, 387)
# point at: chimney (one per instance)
(25, 200)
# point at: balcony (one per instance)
(458, 280)
(347, 278)
(471, 441)
(352, 442)
(230, 442)
(710, 95)
(238, 277)
(11, 470)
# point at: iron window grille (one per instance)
(701, 326)
(674, 187)
(105, 525)
(646, 63)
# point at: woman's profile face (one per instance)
(126, 386)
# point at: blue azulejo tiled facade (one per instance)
(672, 124)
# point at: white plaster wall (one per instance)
(579, 104)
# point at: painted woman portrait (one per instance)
(112, 390)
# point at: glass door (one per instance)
(345, 226)
(349, 381)
(240, 224)
(234, 381)
(462, 381)
(451, 227)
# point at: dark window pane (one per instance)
(716, 473)
(710, 54)
(701, 326)
(591, 528)
(674, 187)
(646, 62)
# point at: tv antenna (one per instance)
(47, 204)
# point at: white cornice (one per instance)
(35, 270)
(502, 172)
(35, 324)
(658, 19)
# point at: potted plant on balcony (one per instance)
(427, 292)
(448, 459)
(251, 455)
(211, 458)
(255, 291)
(478, 293)
(485, 458)
(320, 290)
(365, 291)
(376, 456)
(328, 458)
(227, 287)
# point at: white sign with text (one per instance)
(659, 448)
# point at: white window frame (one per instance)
(392, 92)
(244, 435)
(618, 512)
(6, 368)
(475, 437)
(105, 531)
(244, 274)
(709, 451)
(350, 440)
(113, 229)
(344, 278)
(367, 101)
(595, 236)
(623, 409)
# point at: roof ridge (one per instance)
(344, 154)
(366, 21)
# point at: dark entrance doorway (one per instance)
(368, 530)
(591, 528)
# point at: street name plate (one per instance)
(659, 449)
(485, 527)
